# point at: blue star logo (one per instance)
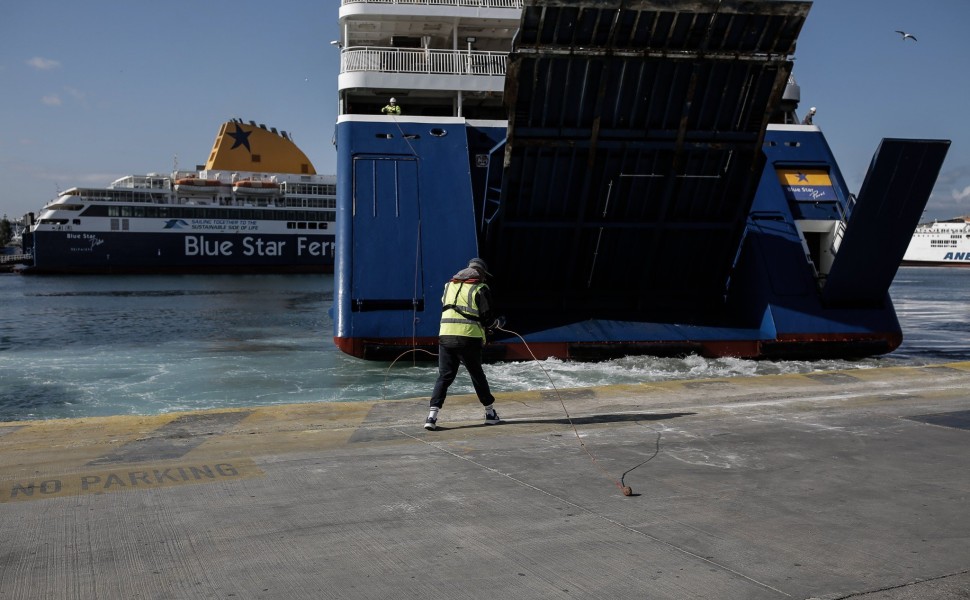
(241, 138)
(175, 224)
(801, 176)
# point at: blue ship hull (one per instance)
(144, 252)
(637, 202)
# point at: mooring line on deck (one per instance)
(624, 489)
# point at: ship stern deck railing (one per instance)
(462, 3)
(437, 62)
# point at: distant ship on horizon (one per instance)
(940, 244)
(256, 206)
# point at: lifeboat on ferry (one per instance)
(255, 186)
(197, 185)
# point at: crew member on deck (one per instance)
(808, 117)
(392, 108)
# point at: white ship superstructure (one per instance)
(940, 243)
(437, 58)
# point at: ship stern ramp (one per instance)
(633, 155)
(891, 201)
(815, 293)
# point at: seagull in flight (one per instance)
(906, 35)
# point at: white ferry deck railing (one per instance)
(406, 60)
(472, 3)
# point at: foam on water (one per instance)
(89, 346)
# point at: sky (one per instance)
(93, 91)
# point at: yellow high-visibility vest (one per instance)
(459, 310)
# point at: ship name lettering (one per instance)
(260, 247)
(957, 256)
(199, 246)
(313, 248)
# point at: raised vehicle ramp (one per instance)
(633, 154)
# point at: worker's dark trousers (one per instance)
(455, 350)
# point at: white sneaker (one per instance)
(491, 417)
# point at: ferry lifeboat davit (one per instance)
(255, 186)
(198, 185)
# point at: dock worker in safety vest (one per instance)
(466, 316)
(392, 108)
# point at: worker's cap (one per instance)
(811, 109)
(479, 264)
(393, 100)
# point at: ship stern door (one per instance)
(387, 236)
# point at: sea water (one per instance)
(78, 346)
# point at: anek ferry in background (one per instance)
(940, 244)
(634, 172)
(256, 206)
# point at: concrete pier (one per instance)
(830, 485)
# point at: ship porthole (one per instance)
(438, 132)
